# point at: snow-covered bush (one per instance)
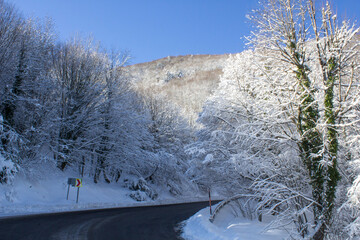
(7, 170)
(142, 190)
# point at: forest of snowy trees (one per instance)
(71, 105)
(282, 126)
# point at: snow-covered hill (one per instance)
(187, 81)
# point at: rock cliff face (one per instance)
(186, 81)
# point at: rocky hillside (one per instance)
(186, 81)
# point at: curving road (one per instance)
(155, 223)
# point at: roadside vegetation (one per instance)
(72, 106)
(278, 123)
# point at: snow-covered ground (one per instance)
(227, 226)
(48, 194)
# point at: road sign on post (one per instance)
(74, 182)
(78, 185)
(78, 182)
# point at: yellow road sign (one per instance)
(78, 182)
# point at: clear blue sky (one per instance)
(152, 29)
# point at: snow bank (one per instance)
(227, 226)
(48, 194)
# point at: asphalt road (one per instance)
(155, 223)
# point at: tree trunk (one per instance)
(320, 233)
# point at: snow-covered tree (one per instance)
(171, 132)
(77, 71)
(10, 32)
(25, 48)
(280, 121)
(284, 31)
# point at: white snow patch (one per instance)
(227, 227)
(48, 194)
(208, 159)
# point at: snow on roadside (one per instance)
(48, 194)
(227, 227)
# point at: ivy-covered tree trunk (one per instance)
(331, 145)
(311, 142)
(330, 173)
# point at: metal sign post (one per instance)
(67, 196)
(71, 181)
(210, 202)
(74, 182)
(77, 196)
